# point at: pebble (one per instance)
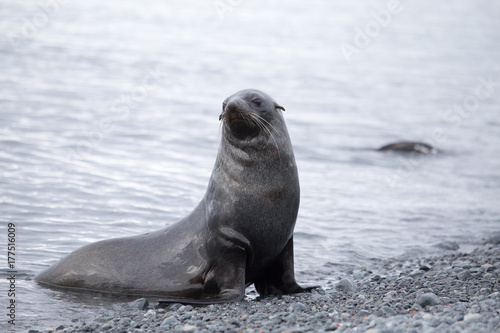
(174, 307)
(428, 299)
(494, 325)
(100, 319)
(464, 275)
(363, 313)
(388, 311)
(298, 307)
(345, 285)
(124, 321)
(185, 308)
(141, 304)
(189, 328)
(472, 316)
(169, 321)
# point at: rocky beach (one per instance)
(455, 292)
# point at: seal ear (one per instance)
(277, 106)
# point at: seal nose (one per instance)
(232, 106)
(230, 110)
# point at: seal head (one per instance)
(247, 112)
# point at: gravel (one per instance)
(456, 293)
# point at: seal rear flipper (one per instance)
(279, 278)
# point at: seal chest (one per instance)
(240, 233)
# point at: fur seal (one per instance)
(240, 233)
(409, 147)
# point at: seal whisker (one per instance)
(268, 123)
(260, 121)
(221, 128)
(261, 125)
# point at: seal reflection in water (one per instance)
(240, 233)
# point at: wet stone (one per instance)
(425, 268)
(472, 316)
(427, 300)
(235, 323)
(90, 327)
(417, 273)
(388, 310)
(185, 308)
(363, 313)
(141, 304)
(174, 307)
(124, 321)
(273, 322)
(463, 275)
(185, 317)
(494, 325)
(107, 326)
(485, 291)
(257, 317)
(169, 321)
(100, 319)
(298, 307)
(345, 286)
(189, 328)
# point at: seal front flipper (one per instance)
(224, 280)
(279, 278)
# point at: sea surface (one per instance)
(109, 126)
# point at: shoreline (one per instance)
(454, 292)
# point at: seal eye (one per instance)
(257, 101)
(224, 105)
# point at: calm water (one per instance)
(109, 125)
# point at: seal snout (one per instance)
(233, 111)
(239, 119)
